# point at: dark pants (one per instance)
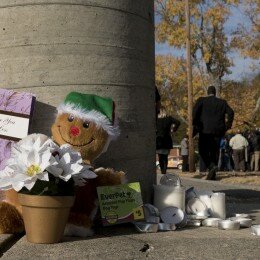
(185, 163)
(239, 159)
(222, 160)
(202, 165)
(209, 149)
(163, 161)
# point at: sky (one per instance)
(242, 66)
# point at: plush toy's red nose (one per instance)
(74, 131)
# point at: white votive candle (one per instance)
(166, 196)
(218, 201)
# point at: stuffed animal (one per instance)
(87, 123)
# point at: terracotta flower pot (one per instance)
(45, 217)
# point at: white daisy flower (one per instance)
(25, 169)
(69, 165)
(37, 142)
(35, 157)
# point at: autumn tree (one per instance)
(210, 55)
(171, 78)
(243, 97)
(255, 115)
(246, 37)
(209, 44)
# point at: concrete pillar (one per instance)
(106, 47)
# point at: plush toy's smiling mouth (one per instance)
(78, 145)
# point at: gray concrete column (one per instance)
(105, 47)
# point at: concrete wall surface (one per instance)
(105, 47)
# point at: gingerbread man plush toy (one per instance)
(87, 123)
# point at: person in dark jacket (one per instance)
(164, 126)
(209, 120)
(256, 149)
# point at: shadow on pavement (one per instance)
(244, 194)
(109, 231)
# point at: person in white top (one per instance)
(185, 154)
(239, 144)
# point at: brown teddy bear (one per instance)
(87, 123)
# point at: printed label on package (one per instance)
(121, 203)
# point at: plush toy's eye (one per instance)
(70, 118)
(86, 124)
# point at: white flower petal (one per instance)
(45, 160)
(76, 168)
(5, 184)
(43, 176)
(88, 174)
(54, 170)
(18, 185)
(75, 156)
(66, 158)
(37, 144)
(29, 185)
(20, 178)
(31, 158)
(23, 158)
(65, 177)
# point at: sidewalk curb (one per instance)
(7, 241)
(242, 186)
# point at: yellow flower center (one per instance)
(33, 170)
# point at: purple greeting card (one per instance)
(16, 110)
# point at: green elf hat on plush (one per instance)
(92, 108)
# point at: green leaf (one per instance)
(54, 187)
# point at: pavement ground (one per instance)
(123, 242)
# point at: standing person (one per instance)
(239, 145)
(227, 156)
(221, 161)
(250, 151)
(157, 102)
(185, 154)
(209, 114)
(230, 153)
(164, 125)
(256, 148)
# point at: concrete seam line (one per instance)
(77, 4)
(88, 84)
(65, 43)
(8, 243)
